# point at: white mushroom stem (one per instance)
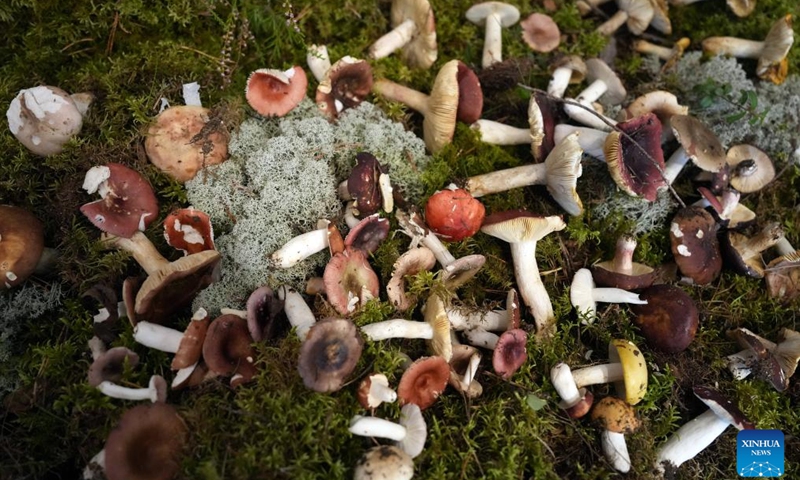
(597, 374)
(591, 93)
(183, 374)
(735, 47)
(559, 82)
(300, 247)
(529, 283)
(398, 93)
(691, 439)
(394, 40)
(564, 383)
(377, 427)
(648, 48)
(97, 347)
(350, 216)
(492, 41)
(397, 328)
(385, 184)
(142, 249)
(113, 390)
(784, 247)
(157, 336)
(382, 392)
(493, 320)
(498, 133)
(428, 239)
(586, 117)
(471, 371)
(591, 140)
(507, 179)
(318, 61)
(478, 337)
(344, 192)
(616, 450)
(616, 295)
(675, 164)
(297, 311)
(98, 462)
(613, 24)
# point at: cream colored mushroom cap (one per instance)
(440, 119)
(633, 386)
(742, 8)
(773, 64)
(563, 166)
(421, 51)
(753, 175)
(436, 317)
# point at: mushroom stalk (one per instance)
(492, 41)
(428, 239)
(784, 247)
(97, 347)
(735, 47)
(613, 24)
(591, 140)
(492, 320)
(616, 295)
(597, 374)
(377, 427)
(531, 288)
(383, 392)
(616, 450)
(300, 247)
(623, 255)
(157, 336)
(507, 179)
(397, 328)
(561, 378)
(675, 164)
(691, 439)
(297, 311)
(478, 337)
(113, 390)
(398, 93)
(318, 61)
(559, 82)
(588, 118)
(591, 93)
(394, 40)
(498, 133)
(142, 249)
(647, 48)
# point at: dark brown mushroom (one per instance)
(346, 84)
(189, 230)
(669, 320)
(227, 349)
(621, 271)
(693, 233)
(329, 354)
(633, 171)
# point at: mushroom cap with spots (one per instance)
(669, 320)
(766, 364)
(21, 245)
(329, 354)
(189, 230)
(633, 385)
(183, 140)
(274, 93)
(615, 415)
(695, 248)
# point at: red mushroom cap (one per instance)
(275, 93)
(424, 381)
(454, 214)
(189, 230)
(510, 353)
(470, 95)
(349, 278)
(127, 205)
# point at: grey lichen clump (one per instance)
(281, 178)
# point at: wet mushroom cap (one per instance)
(424, 381)
(454, 214)
(693, 235)
(146, 444)
(669, 320)
(21, 245)
(276, 93)
(329, 354)
(362, 185)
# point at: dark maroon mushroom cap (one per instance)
(110, 365)
(669, 320)
(362, 184)
(329, 354)
(510, 353)
(346, 84)
(583, 406)
(723, 408)
(765, 364)
(693, 234)
(368, 234)
(227, 348)
(129, 204)
(470, 95)
(146, 444)
(551, 115)
(633, 171)
(263, 307)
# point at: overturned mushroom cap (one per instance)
(693, 234)
(423, 381)
(766, 365)
(146, 444)
(751, 168)
(421, 51)
(410, 263)
(346, 84)
(329, 354)
(350, 280)
(540, 33)
(773, 63)
(127, 202)
(276, 93)
(21, 245)
(635, 173)
(180, 142)
(109, 365)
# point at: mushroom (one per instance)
(493, 16)
(584, 296)
(435, 328)
(146, 444)
(261, 310)
(329, 354)
(185, 139)
(522, 230)
(743, 254)
(560, 172)
(368, 234)
(786, 352)
(574, 400)
(669, 319)
(21, 245)
(510, 352)
(274, 93)
(349, 280)
(413, 30)
(374, 390)
(540, 33)
(740, 8)
(783, 272)
(634, 172)
(591, 140)
(410, 434)
(636, 14)
(423, 381)
(664, 104)
(617, 418)
(107, 369)
(412, 262)
(626, 368)
(362, 185)
(318, 61)
(384, 462)
(186, 346)
(621, 271)
(45, 118)
(189, 230)
(726, 209)
(169, 286)
(698, 144)
(301, 247)
(693, 437)
(693, 235)
(127, 204)
(669, 55)
(228, 350)
(603, 82)
(463, 370)
(454, 214)
(346, 84)
(297, 311)
(773, 64)
(156, 391)
(751, 168)
(566, 70)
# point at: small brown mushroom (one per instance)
(21, 245)
(669, 320)
(329, 354)
(693, 234)
(423, 381)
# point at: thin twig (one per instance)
(567, 101)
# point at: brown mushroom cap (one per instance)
(615, 415)
(368, 235)
(329, 354)
(346, 84)
(109, 366)
(699, 142)
(263, 308)
(751, 168)
(191, 346)
(421, 51)
(621, 271)
(470, 95)
(227, 349)
(128, 203)
(21, 245)
(362, 185)
(632, 171)
(693, 234)
(510, 352)
(723, 407)
(349, 280)
(423, 381)
(189, 230)
(178, 146)
(669, 320)
(146, 444)
(540, 32)
(276, 93)
(543, 116)
(410, 263)
(766, 365)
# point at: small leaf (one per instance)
(535, 402)
(735, 117)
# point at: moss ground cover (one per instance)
(130, 53)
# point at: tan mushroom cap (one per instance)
(615, 415)
(439, 124)
(661, 21)
(742, 8)
(783, 277)
(664, 104)
(597, 69)
(700, 143)
(329, 354)
(435, 315)
(773, 63)
(540, 33)
(410, 263)
(751, 168)
(384, 462)
(563, 166)
(421, 51)
(462, 357)
(21, 245)
(175, 145)
(633, 386)
(423, 381)
(574, 63)
(640, 14)
(519, 226)
(462, 270)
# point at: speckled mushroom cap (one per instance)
(21, 245)
(540, 33)
(109, 366)
(722, 407)
(615, 415)
(177, 145)
(764, 362)
(411, 262)
(634, 370)
(227, 348)
(189, 230)
(773, 64)
(274, 93)
(44, 119)
(699, 142)
(632, 171)
(510, 352)
(423, 381)
(440, 119)
(384, 462)
(329, 354)
(421, 51)
(693, 235)
(146, 444)
(346, 84)
(669, 320)
(127, 204)
(751, 168)
(597, 69)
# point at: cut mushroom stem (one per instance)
(300, 247)
(648, 48)
(297, 311)
(394, 40)
(735, 47)
(397, 328)
(157, 336)
(152, 392)
(498, 133)
(318, 61)
(784, 247)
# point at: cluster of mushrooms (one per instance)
(704, 236)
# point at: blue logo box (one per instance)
(759, 453)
